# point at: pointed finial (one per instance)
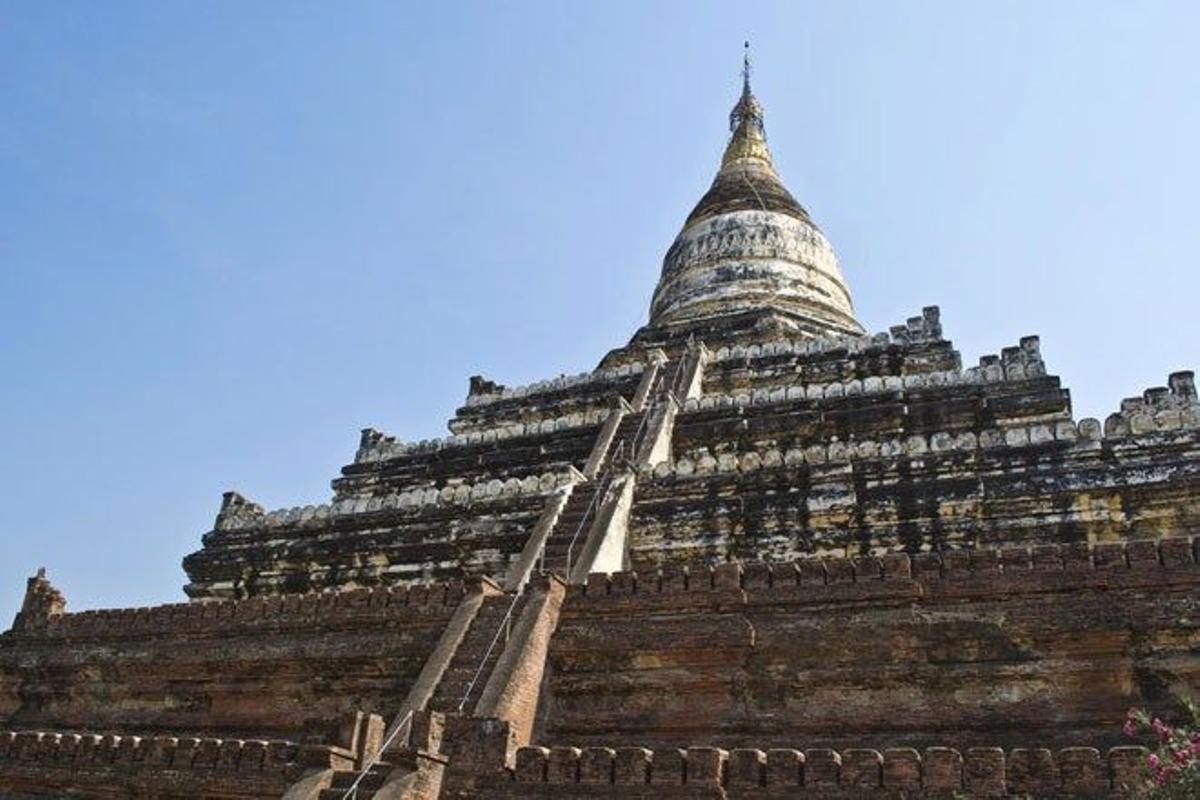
(746, 119)
(746, 66)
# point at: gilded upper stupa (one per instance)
(748, 246)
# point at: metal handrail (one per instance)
(506, 622)
(681, 372)
(603, 486)
(503, 627)
(637, 434)
(599, 492)
(406, 721)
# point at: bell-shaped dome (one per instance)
(749, 246)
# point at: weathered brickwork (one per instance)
(40, 764)
(780, 772)
(282, 667)
(757, 552)
(1046, 645)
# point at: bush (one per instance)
(1173, 767)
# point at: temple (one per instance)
(758, 551)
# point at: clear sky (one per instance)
(232, 234)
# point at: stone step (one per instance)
(572, 525)
(465, 663)
(344, 779)
(374, 779)
(561, 541)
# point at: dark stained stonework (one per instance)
(755, 553)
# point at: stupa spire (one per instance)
(749, 139)
(748, 248)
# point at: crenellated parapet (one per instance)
(1162, 408)
(235, 756)
(923, 329)
(701, 462)
(164, 766)
(414, 499)
(866, 387)
(933, 575)
(858, 773)
(375, 446)
(912, 358)
(494, 393)
(392, 605)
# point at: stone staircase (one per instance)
(579, 513)
(344, 779)
(450, 691)
(470, 653)
(679, 373)
(399, 765)
(624, 442)
(581, 508)
(623, 450)
(564, 543)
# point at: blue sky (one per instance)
(232, 234)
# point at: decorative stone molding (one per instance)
(600, 376)
(889, 574)
(452, 494)
(925, 328)
(935, 772)
(375, 446)
(391, 604)
(1162, 408)
(1018, 363)
(237, 512)
(72, 750)
(743, 259)
(701, 462)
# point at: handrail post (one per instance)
(406, 721)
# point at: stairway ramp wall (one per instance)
(605, 548)
(525, 564)
(600, 449)
(513, 690)
(435, 666)
(656, 363)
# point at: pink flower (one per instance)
(1129, 729)
(1154, 761)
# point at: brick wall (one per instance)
(283, 667)
(1044, 646)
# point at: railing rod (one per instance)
(352, 792)
(597, 493)
(492, 646)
